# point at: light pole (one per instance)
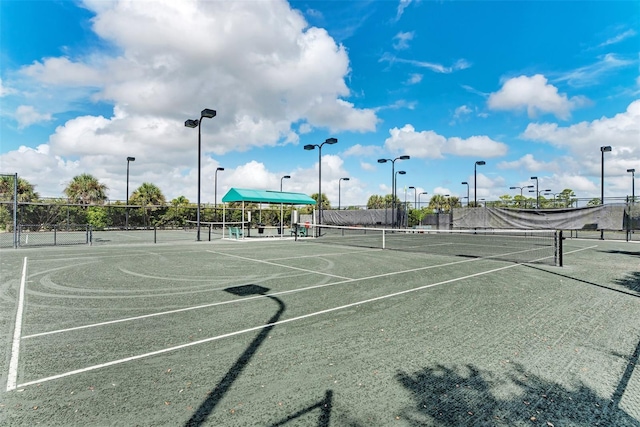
(424, 192)
(415, 196)
(282, 207)
(126, 216)
(341, 179)
(554, 197)
(633, 185)
(311, 147)
(395, 190)
(521, 188)
(393, 182)
(209, 114)
(467, 184)
(215, 192)
(475, 181)
(604, 149)
(537, 193)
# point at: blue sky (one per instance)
(532, 88)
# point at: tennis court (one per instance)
(283, 332)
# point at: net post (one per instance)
(559, 249)
(155, 233)
(54, 235)
(384, 231)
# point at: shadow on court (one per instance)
(465, 395)
(632, 282)
(218, 392)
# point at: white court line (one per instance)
(279, 265)
(214, 304)
(15, 347)
(180, 310)
(305, 316)
(256, 328)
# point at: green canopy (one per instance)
(266, 196)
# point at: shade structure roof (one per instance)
(266, 196)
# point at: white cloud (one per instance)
(428, 144)
(583, 140)
(414, 79)
(461, 111)
(173, 56)
(527, 163)
(4, 90)
(402, 5)
(591, 74)
(401, 40)
(367, 166)
(460, 64)
(618, 38)
(535, 95)
(26, 115)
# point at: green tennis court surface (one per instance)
(271, 332)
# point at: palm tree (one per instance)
(26, 192)
(86, 189)
(149, 196)
(438, 202)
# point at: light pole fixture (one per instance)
(467, 184)
(395, 190)
(415, 196)
(126, 216)
(393, 182)
(191, 123)
(537, 193)
(424, 192)
(311, 147)
(633, 185)
(603, 150)
(215, 191)
(521, 188)
(475, 181)
(284, 177)
(282, 207)
(340, 180)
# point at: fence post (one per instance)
(55, 228)
(89, 234)
(155, 233)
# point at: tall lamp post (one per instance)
(537, 193)
(424, 192)
(633, 185)
(340, 180)
(604, 149)
(395, 190)
(467, 184)
(282, 207)
(521, 188)
(192, 123)
(475, 181)
(215, 192)
(415, 196)
(126, 216)
(311, 147)
(393, 183)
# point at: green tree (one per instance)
(150, 197)
(381, 202)
(86, 189)
(438, 203)
(26, 191)
(594, 202)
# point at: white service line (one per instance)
(256, 328)
(15, 347)
(280, 265)
(308, 288)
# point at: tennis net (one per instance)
(521, 246)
